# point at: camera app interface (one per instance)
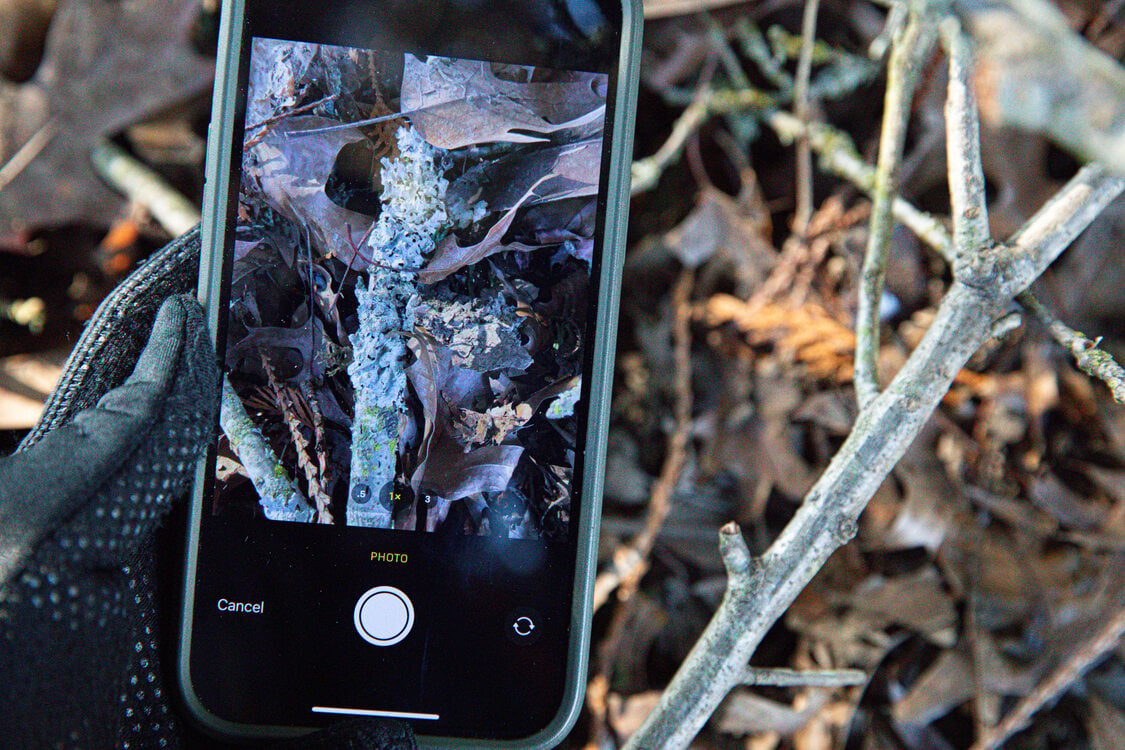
(409, 292)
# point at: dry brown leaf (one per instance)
(105, 67)
(292, 168)
(745, 713)
(916, 600)
(945, 685)
(808, 334)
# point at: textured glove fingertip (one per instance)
(358, 734)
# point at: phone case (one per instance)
(216, 195)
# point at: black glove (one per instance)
(88, 579)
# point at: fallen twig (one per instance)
(709, 102)
(839, 156)
(823, 678)
(1036, 73)
(759, 591)
(144, 187)
(1069, 672)
(801, 108)
(629, 562)
(962, 143)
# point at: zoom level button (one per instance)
(384, 616)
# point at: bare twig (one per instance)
(801, 108)
(144, 187)
(907, 52)
(709, 102)
(1093, 361)
(630, 561)
(290, 112)
(758, 592)
(824, 678)
(962, 142)
(26, 153)
(1036, 73)
(1069, 672)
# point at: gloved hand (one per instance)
(88, 576)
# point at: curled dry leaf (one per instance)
(105, 66)
(501, 183)
(453, 474)
(450, 257)
(456, 103)
(492, 426)
(291, 170)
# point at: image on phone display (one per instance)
(408, 309)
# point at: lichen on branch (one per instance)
(413, 218)
(279, 497)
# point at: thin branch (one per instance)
(1038, 74)
(1093, 361)
(801, 108)
(1069, 672)
(730, 61)
(823, 678)
(907, 53)
(1075, 206)
(26, 153)
(268, 123)
(630, 561)
(962, 143)
(144, 187)
(709, 102)
(839, 156)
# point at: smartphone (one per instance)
(412, 245)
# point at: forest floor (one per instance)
(987, 565)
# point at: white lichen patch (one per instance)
(563, 404)
(482, 334)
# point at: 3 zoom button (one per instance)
(384, 616)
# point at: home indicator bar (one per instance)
(372, 712)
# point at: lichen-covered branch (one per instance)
(709, 102)
(279, 496)
(1095, 362)
(412, 219)
(839, 156)
(907, 53)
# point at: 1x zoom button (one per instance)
(384, 616)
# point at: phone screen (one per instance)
(389, 520)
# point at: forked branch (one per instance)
(987, 277)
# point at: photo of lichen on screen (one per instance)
(408, 294)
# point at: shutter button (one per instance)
(384, 616)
